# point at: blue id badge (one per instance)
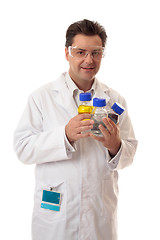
(51, 200)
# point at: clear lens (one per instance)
(79, 52)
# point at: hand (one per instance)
(111, 137)
(77, 125)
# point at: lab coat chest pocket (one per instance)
(110, 196)
(46, 215)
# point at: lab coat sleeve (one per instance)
(35, 146)
(126, 153)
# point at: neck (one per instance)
(82, 84)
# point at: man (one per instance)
(71, 163)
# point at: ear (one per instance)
(66, 54)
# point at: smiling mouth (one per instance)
(87, 68)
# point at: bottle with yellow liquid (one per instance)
(85, 103)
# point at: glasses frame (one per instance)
(87, 52)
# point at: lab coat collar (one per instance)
(61, 84)
(64, 97)
(73, 87)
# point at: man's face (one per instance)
(83, 70)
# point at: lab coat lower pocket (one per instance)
(43, 216)
(110, 197)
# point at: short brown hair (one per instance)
(86, 27)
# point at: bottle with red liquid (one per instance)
(117, 109)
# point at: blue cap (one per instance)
(118, 108)
(85, 96)
(99, 102)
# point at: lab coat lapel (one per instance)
(63, 96)
(102, 91)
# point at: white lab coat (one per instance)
(84, 173)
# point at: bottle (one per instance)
(97, 114)
(117, 109)
(85, 105)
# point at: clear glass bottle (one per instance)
(85, 104)
(117, 109)
(97, 114)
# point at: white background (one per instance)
(32, 38)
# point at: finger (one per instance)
(104, 131)
(86, 123)
(80, 124)
(85, 128)
(112, 123)
(83, 116)
(115, 127)
(108, 124)
(83, 135)
(100, 139)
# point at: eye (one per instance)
(96, 53)
(80, 53)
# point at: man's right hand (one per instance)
(76, 127)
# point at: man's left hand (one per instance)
(111, 137)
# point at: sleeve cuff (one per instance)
(113, 162)
(70, 148)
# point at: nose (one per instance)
(89, 58)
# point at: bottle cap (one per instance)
(118, 108)
(99, 102)
(85, 96)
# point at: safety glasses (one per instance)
(81, 52)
